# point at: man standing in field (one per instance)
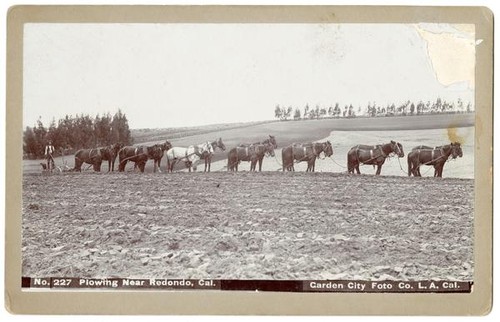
(49, 150)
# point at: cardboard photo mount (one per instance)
(477, 302)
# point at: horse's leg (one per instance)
(78, 165)
(438, 170)
(260, 163)
(356, 166)
(121, 166)
(97, 165)
(310, 165)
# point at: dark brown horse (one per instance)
(271, 140)
(436, 157)
(207, 155)
(374, 155)
(138, 154)
(308, 152)
(110, 153)
(95, 157)
(252, 153)
(162, 148)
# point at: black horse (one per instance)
(207, 155)
(374, 155)
(253, 153)
(304, 152)
(138, 154)
(436, 157)
(96, 156)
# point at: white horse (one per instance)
(190, 155)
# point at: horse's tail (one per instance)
(410, 170)
(350, 165)
(232, 160)
(283, 159)
(78, 161)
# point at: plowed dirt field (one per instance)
(269, 225)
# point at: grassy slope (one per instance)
(149, 135)
(303, 131)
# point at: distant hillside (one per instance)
(297, 131)
(148, 135)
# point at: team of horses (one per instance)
(254, 153)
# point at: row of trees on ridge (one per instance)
(406, 108)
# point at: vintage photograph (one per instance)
(339, 156)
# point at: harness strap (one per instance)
(382, 151)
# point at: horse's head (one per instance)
(116, 147)
(327, 148)
(220, 145)
(397, 148)
(269, 149)
(456, 150)
(272, 140)
(166, 146)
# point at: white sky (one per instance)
(170, 75)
